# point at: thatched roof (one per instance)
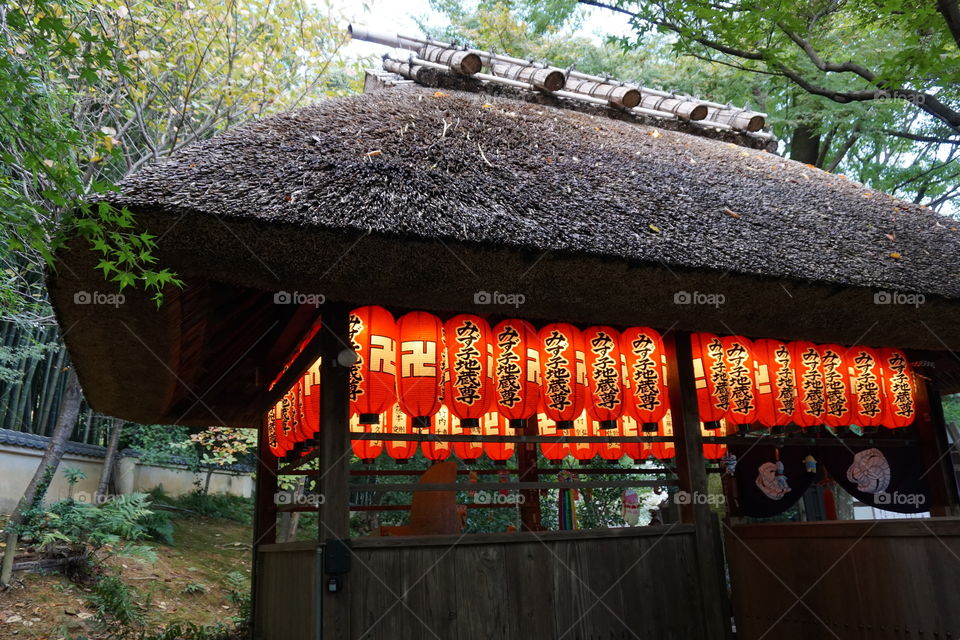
(418, 198)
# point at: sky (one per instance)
(397, 16)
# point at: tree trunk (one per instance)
(109, 462)
(805, 145)
(37, 489)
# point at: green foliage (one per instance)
(210, 505)
(117, 613)
(158, 444)
(195, 587)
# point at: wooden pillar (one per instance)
(935, 456)
(334, 463)
(265, 510)
(692, 477)
(528, 471)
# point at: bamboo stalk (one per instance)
(407, 70)
(543, 78)
(616, 94)
(466, 63)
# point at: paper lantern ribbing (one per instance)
(644, 359)
(867, 386)
(710, 377)
(738, 356)
(605, 376)
(399, 423)
(563, 372)
(373, 336)
(811, 400)
(469, 386)
(421, 374)
(899, 406)
(837, 387)
(367, 450)
(499, 452)
(516, 371)
(435, 450)
(776, 383)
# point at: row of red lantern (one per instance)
(423, 364)
(296, 417)
(778, 383)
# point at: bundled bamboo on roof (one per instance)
(541, 77)
(616, 94)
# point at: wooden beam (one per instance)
(264, 512)
(527, 457)
(934, 450)
(334, 462)
(512, 486)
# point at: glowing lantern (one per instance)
(811, 401)
(867, 386)
(285, 421)
(714, 451)
(499, 452)
(563, 371)
(837, 388)
(710, 376)
(738, 356)
(270, 428)
(555, 452)
(629, 428)
(421, 362)
(646, 375)
(311, 400)
(469, 386)
(776, 383)
(612, 450)
(373, 336)
(899, 406)
(664, 450)
(366, 450)
(582, 428)
(435, 450)
(469, 451)
(398, 423)
(605, 379)
(516, 369)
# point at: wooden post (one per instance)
(529, 472)
(334, 463)
(692, 478)
(934, 450)
(265, 510)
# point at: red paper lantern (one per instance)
(555, 452)
(714, 451)
(664, 450)
(373, 336)
(499, 452)
(646, 375)
(613, 449)
(286, 422)
(563, 371)
(837, 387)
(776, 383)
(399, 423)
(469, 451)
(711, 379)
(516, 372)
(367, 450)
(811, 400)
(899, 406)
(867, 373)
(605, 376)
(433, 449)
(469, 387)
(738, 356)
(630, 428)
(583, 428)
(274, 442)
(311, 400)
(421, 360)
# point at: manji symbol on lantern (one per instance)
(563, 372)
(469, 383)
(710, 377)
(776, 383)
(421, 376)
(811, 400)
(644, 359)
(838, 394)
(373, 376)
(899, 409)
(867, 387)
(604, 376)
(738, 355)
(516, 357)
